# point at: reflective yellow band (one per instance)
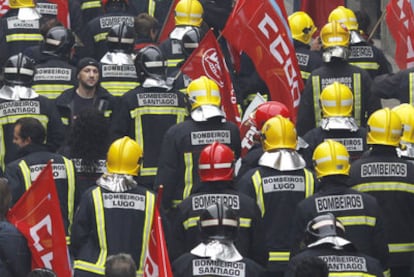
(173, 62)
(316, 89)
(279, 256)
(245, 222)
(401, 247)
(411, 91)
(24, 37)
(65, 120)
(309, 183)
(70, 172)
(26, 174)
(191, 222)
(107, 113)
(100, 226)
(357, 97)
(146, 231)
(257, 183)
(305, 75)
(67, 240)
(175, 203)
(151, 7)
(188, 174)
(90, 267)
(100, 37)
(387, 273)
(357, 220)
(367, 65)
(90, 5)
(50, 91)
(385, 186)
(350, 274)
(148, 171)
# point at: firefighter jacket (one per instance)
(340, 262)
(185, 233)
(189, 265)
(391, 181)
(359, 213)
(16, 35)
(81, 12)
(107, 223)
(22, 172)
(395, 85)
(94, 35)
(15, 257)
(40, 108)
(180, 151)
(370, 58)
(308, 60)
(354, 141)
(145, 114)
(250, 160)
(277, 192)
(66, 104)
(53, 76)
(357, 79)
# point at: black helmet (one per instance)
(58, 42)
(323, 226)
(150, 62)
(19, 70)
(42, 272)
(190, 41)
(218, 222)
(121, 38)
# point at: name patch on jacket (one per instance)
(53, 74)
(384, 170)
(15, 23)
(47, 8)
(124, 201)
(208, 137)
(98, 166)
(119, 71)
(59, 171)
(108, 22)
(352, 144)
(339, 203)
(303, 59)
(203, 201)
(361, 52)
(344, 80)
(157, 99)
(345, 263)
(19, 107)
(283, 183)
(203, 267)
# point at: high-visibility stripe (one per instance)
(24, 37)
(316, 89)
(70, 175)
(279, 256)
(257, 183)
(358, 220)
(176, 202)
(188, 174)
(401, 247)
(100, 37)
(148, 171)
(51, 91)
(305, 75)
(149, 215)
(350, 274)
(385, 186)
(191, 222)
(245, 222)
(151, 7)
(309, 183)
(357, 97)
(26, 174)
(65, 120)
(173, 62)
(90, 5)
(108, 113)
(367, 65)
(387, 273)
(411, 87)
(119, 88)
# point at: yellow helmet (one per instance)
(124, 156)
(336, 99)
(345, 16)
(203, 91)
(384, 127)
(406, 113)
(15, 4)
(188, 13)
(302, 26)
(331, 158)
(334, 34)
(279, 133)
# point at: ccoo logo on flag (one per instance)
(211, 66)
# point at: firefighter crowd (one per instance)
(326, 191)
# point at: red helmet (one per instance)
(268, 110)
(216, 163)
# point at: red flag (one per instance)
(260, 29)
(208, 60)
(4, 6)
(169, 23)
(157, 262)
(63, 11)
(400, 21)
(319, 10)
(38, 217)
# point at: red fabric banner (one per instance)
(38, 217)
(208, 60)
(260, 29)
(319, 10)
(63, 11)
(157, 263)
(400, 21)
(169, 23)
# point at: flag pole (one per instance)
(376, 26)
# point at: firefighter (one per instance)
(148, 111)
(278, 183)
(29, 135)
(115, 216)
(302, 28)
(183, 142)
(54, 74)
(18, 99)
(216, 255)
(389, 179)
(335, 41)
(406, 148)
(118, 70)
(362, 53)
(324, 238)
(359, 212)
(216, 170)
(337, 123)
